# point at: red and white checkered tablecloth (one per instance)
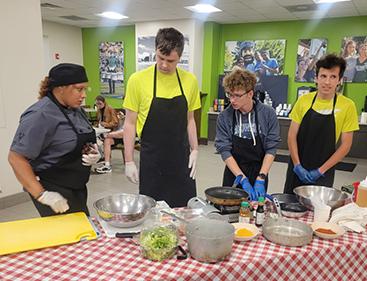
(344, 258)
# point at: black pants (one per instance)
(77, 200)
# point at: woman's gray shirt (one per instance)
(44, 134)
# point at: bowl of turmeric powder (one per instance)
(327, 230)
(245, 231)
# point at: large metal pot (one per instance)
(209, 240)
(227, 196)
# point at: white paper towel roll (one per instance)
(364, 118)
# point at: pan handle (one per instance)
(183, 255)
(277, 206)
(126, 234)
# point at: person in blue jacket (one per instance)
(247, 135)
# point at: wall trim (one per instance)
(203, 141)
(14, 199)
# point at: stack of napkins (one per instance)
(351, 216)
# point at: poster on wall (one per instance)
(263, 57)
(309, 51)
(111, 69)
(354, 51)
(146, 53)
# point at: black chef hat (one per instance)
(65, 74)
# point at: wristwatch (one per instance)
(262, 176)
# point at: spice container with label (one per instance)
(245, 212)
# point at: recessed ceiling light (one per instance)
(203, 8)
(329, 1)
(112, 15)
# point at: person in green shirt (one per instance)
(160, 103)
(319, 119)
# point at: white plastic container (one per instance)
(361, 198)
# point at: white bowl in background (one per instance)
(339, 230)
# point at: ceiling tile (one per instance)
(234, 11)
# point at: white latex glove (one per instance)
(192, 163)
(131, 172)
(55, 200)
(92, 157)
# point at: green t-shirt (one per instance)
(139, 92)
(345, 112)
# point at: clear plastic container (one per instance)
(159, 241)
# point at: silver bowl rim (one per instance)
(296, 189)
(119, 194)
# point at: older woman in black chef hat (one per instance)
(54, 145)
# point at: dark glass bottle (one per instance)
(260, 212)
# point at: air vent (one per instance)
(74, 18)
(302, 8)
(50, 6)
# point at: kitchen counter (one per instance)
(119, 259)
(358, 149)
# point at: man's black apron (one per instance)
(165, 150)
(68, 177)
(248, 156)
(316, 143)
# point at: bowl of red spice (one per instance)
(327, 230)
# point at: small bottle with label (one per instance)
(245, 213)
(260, 212)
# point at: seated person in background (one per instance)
(110, 139)
(106, 115)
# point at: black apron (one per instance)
(68, 177)
(248, 156)
(165, 150)
(316, 143)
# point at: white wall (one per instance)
(194, 29)
(62, 39)
(21, 70)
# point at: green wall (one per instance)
(91, 39)
(331, 29)
(210, 73)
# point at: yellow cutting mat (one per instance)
(31, 234)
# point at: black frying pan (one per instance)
(285, 198)
(293, 210)
(227, 196)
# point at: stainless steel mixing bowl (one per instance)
(330, 196)
(287, 232)
(124, 210)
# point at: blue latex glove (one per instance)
(246, 186)
(237, 180)
(259, 188)
(302, 173)
(314, 175)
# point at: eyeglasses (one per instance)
(235, 96)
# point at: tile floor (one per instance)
(210, 170)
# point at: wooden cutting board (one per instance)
(31, 234)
